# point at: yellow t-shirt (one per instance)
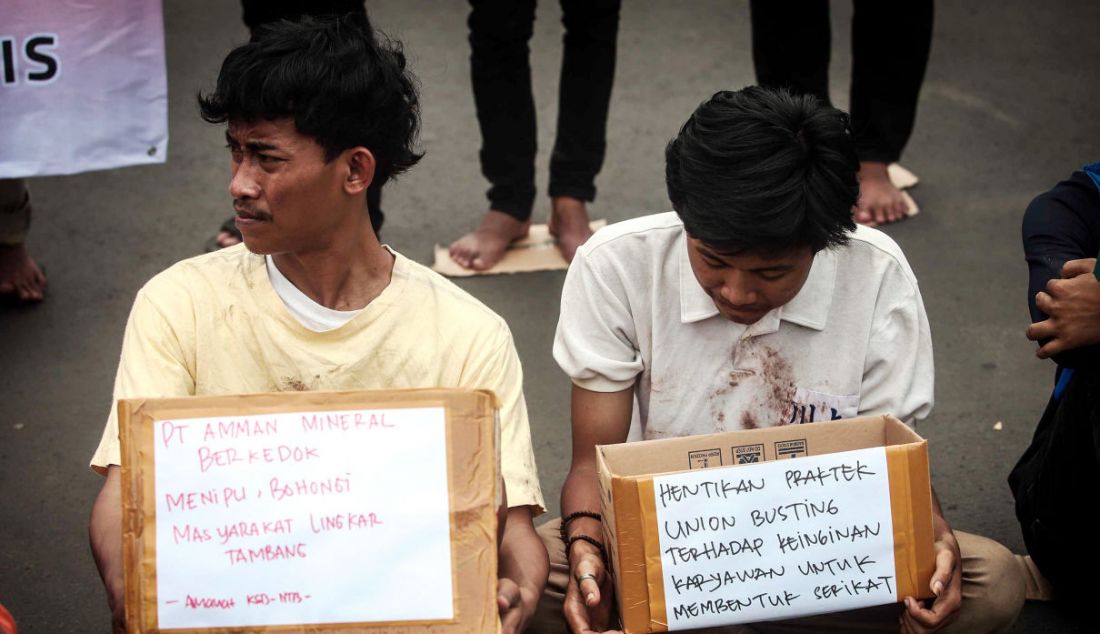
(214, 325)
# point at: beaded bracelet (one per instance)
(591, 540)
(572, 516)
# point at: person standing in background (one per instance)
(19, 274)
(501, 72)
(791, 42)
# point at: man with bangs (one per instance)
(318, 112)
(756, 303)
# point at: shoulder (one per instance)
(442, 302)
(872, 256)
(224, 269)
(1069, 210)
(633, 238)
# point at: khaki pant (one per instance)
(994, 587)
(15, 211)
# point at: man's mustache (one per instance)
(243, 211)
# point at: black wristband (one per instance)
(572, 516)
(591, 540)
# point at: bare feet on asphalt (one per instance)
(484, 247)
(19, 275)
(880, 202)
(569, 224)
(225, 239)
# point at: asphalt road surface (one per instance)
(1008, 108)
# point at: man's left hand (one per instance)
(1073, 304)
(946, 584)
(513, 615)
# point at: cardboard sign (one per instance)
(335, 511)
(789, 539)
(776, 523)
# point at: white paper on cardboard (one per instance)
(307, 517)
(776, 540)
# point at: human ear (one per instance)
(360, 170)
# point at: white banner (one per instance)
(82, 86)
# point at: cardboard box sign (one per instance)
(311, 512)
(767, 524)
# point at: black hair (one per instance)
(764, 169)
(342, 84)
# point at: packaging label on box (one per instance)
(266, 519)
(787, 538)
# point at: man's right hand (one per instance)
(1073, 308)
(589, 595)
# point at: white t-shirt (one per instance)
(854, 341)
(312, 315)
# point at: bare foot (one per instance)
(225, 239)
(19, 274)
(569, 224)
(880, 202)
(228, 235)
(484, 247)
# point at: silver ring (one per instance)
(588, 575)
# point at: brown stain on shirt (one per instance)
(292, 384)
(769, 374)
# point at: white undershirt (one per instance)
(312, 315)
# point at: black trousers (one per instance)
(1056, 484)
(501, 74)
(791, 41)
(256, 13)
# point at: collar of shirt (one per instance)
(810, 308)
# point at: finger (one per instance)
(508, 595)
(1044, 302)
(1073, 268)
(1052, 347)
(1041, 330)
(920, 618)
(576, 615)
(589, 575)
(510, 620)
(945, 569)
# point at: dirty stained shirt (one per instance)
(215, 325)
(855, 339)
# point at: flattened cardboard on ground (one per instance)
(473, 466)
(537, 252)
(626, 471)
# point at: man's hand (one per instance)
(510, 602)
(1073, 306)
(946, 584)
(588, 596)
(523, 567)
